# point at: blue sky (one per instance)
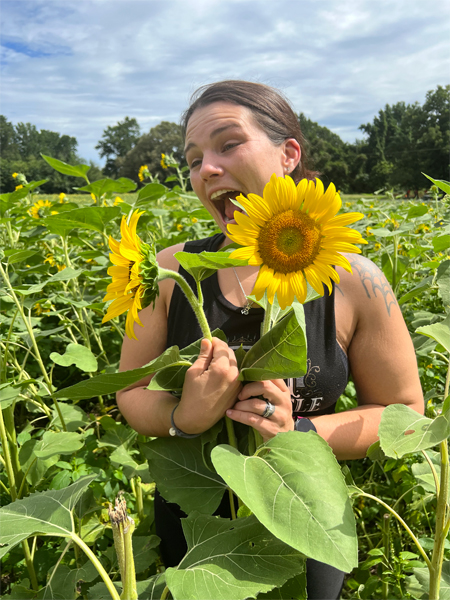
(78, 66)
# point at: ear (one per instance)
(291, 154)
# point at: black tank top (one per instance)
(314, 394)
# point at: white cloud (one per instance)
(80, 65)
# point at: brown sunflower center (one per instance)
(289, 242)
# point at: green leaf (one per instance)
(294, 486)
(443, 281)
(416, 211)
(62, 584)
(41, 513)
(231, 560)
(418, 585)
(65, 169)
(417, 290)
(123, 185)
(422, 472)
(34, 468)
(77, 355)
(19, 255)
(8, 394)
(203, 265)
(150, 193)
(62, 442)
(294, 588)
(65, 275)
(171, 378)
(150, 589)
(177, 467)
(440, 183)
(280, 353)
(143, 551)
(402, 430)
(74, 417)
(109, 383)
(441, 243)
(438, 331)
(121, 457)
(89, 217)
(192, 351)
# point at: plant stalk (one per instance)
(193, 301)
(98, 565)
(441, 515)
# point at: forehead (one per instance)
(213, 117)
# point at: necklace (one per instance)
(248, 304)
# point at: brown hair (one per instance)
(270, 109)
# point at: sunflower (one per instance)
(133, 275)
(293, 233)
(40, 209)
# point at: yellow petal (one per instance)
(314, 280)
(285, 294)
(345, 219)
(265, 276)
(340, 247)
(246, 224)
(298, 285)
(243, 253)
(119, 306)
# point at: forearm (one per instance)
(350, 433)
(147, 412)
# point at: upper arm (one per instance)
(152, 337)
(381, 354)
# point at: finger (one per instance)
(280, 384)
(255, 388)
(253, 405)
(265, 427)
(204, 358)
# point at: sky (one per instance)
(77, 66)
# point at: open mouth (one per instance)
(222, 200)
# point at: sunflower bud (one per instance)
(122, 527)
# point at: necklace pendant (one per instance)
(246, 309)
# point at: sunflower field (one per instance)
(66, 458)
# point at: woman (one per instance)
(237, 135)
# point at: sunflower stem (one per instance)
(192, 299)
(267, 323)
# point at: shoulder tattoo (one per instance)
(373, 280)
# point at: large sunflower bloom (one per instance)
(293, 233)
(128, 287)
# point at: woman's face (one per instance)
(229, 154)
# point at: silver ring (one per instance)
(269, 410)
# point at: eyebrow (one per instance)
(215, 133)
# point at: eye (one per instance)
(195, 163)
(229, 146)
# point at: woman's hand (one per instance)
(211, 387)
(249, 408)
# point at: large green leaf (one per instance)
(280, 353)
(438, 331)
(295, 488)
(231, 560)
(150, 193)
(177, 467)
(62, 583)
(441, 243)
(65, 169)
(150, 589)
(109, 383)
(41, 513)
(123, 185)
(171, 378)
(34, 468)
(418, 585)
(203, 265)
(402, 430)
(77, 355)
(90, 217)
(440, 183)
(63, 442)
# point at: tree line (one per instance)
(402, 141)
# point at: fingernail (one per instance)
(229, 413)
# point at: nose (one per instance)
(210, 167)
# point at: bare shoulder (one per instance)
(167, 259)
(367, 288)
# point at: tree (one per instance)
(165, 138)
(116, 142)
(21, 149)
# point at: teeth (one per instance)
(219, 193)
